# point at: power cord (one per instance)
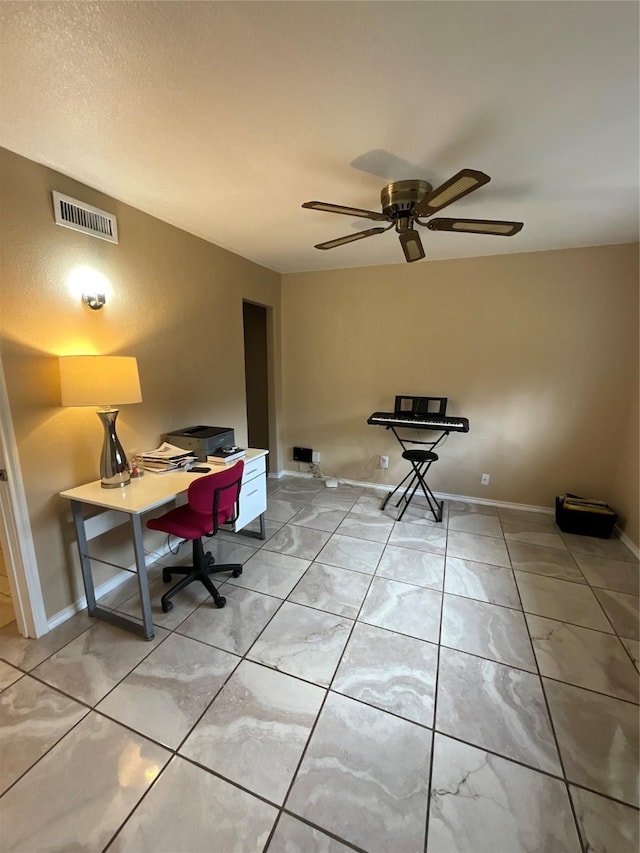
(322, 474)
(314, 470)
(373, 473)
(178, 546)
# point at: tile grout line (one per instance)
(90, 708)
(555, 737)
(175, 751)
(434, 730)
(435, 696)
(40, 757)
(324, 701)
(282, 808)
(49, 656)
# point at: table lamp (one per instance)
(92, 380)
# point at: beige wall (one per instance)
(539, 351)
(176, 305)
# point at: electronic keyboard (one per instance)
(419, 420)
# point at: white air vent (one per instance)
(79, 216)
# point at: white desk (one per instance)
(130, 502)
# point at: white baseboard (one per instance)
(113, 583)
(626, 541)
(383, 487)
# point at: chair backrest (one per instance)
(217, 494)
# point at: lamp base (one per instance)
(114, 471)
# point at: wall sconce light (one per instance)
(95, 301)
(90, 285)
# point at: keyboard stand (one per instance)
(421, 461)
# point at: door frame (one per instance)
(15, 532)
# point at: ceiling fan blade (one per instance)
(349, 238)
(498, 227)
(411, 245)
(348, 211)
(465, 182)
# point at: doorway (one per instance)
(256, 371)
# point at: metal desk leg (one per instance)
(85, 562)
(261, 534)
(146, 629)
(143, 580)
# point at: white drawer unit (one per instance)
(253, 495)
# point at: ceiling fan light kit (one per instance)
(405, 203)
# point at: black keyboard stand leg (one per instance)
(391, 494)
(418, 473)
(434, 505)
(407, 497)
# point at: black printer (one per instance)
(202, 441)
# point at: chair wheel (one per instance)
(166, 606)
(220, 603)
(236, 573)
(166, 576)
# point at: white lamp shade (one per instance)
(97, 380)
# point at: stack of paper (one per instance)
(165, 458)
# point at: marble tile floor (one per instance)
(371, 685)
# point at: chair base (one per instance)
(203, 566)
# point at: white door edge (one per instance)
(15, 532)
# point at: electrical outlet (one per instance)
(315, 456)
(384, 461)
(484, 480)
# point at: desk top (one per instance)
(148, 492)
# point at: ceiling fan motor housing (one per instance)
(402, 196)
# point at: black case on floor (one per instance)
(585, 522)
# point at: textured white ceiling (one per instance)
(223, 117)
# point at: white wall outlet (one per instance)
(315, 456)
(484, 480)
(384, 462)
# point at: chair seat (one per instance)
(182, 521)
(420, 456)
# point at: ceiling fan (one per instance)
(405, 203)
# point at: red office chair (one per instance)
(213, 500)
